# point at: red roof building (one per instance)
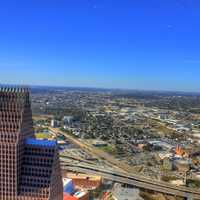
(69, 197)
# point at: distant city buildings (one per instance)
(148, 133)
(67, 120)
(55, 123)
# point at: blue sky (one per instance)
(144, 44)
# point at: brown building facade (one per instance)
(84, 181)
(29, 168)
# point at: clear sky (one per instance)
(137, 44)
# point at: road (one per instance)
(124, 175)
(136, 180)
(108, 159)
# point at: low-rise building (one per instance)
(181, 165)
(55, 123)
(72, 192)
(122, 193)
(87, 182)
(99, 143)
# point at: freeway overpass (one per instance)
(136, 180)
(125, 177)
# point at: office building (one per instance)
(29, 168)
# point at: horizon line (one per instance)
(99, 88)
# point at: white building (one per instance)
(55, 123)
(121, 193)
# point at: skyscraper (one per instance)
(29, 168)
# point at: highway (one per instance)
(136, 180)
(122, 174)
(108, 159)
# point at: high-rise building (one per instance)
(29, 168)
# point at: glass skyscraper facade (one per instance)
(29, 168)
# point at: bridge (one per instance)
(128, 177)
(135, 180)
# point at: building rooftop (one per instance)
(84, 176)
(43, 143)
(69, 197)
(68, 186)
(121, 193)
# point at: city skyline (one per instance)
(148, 45)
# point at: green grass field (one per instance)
(109, 149)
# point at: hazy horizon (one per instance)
(94, 88)
(144, 45)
